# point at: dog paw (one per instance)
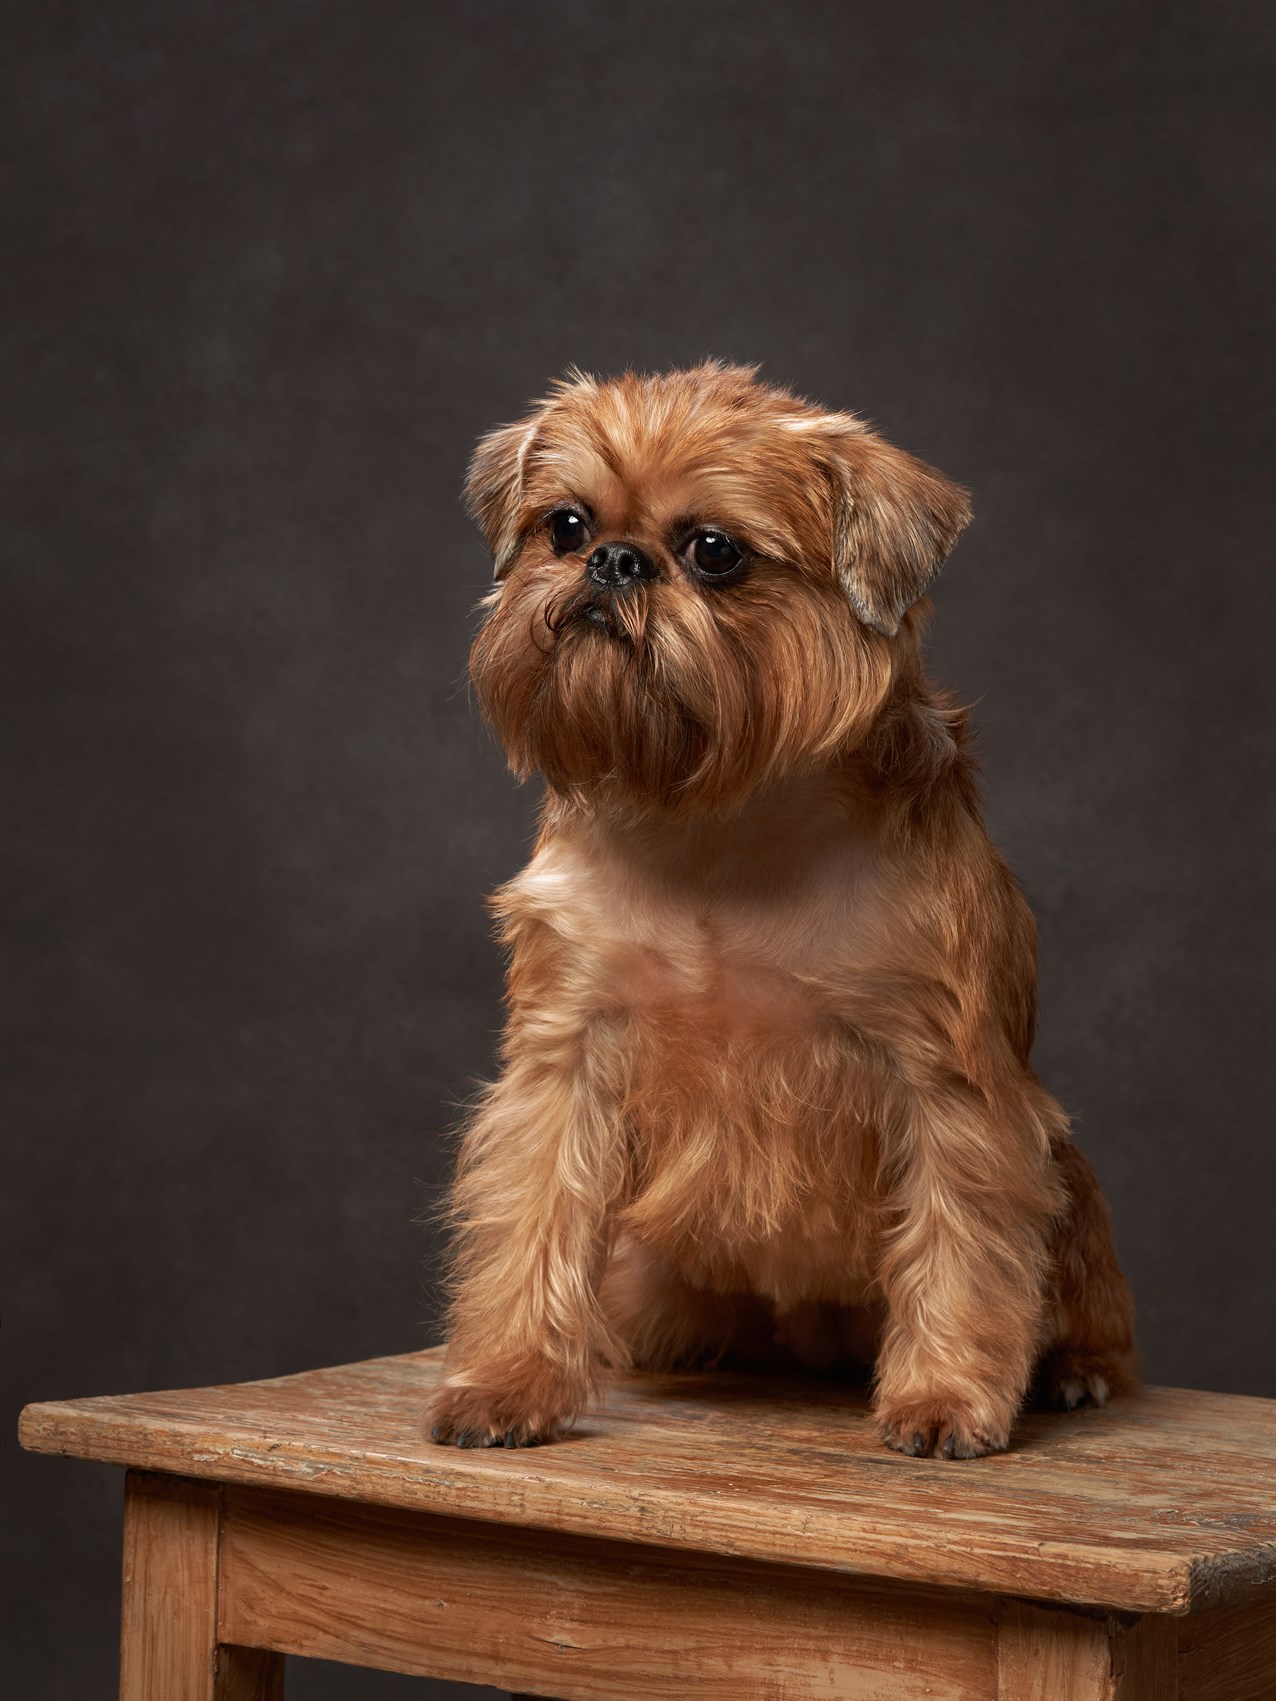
(1068, 1377)
(941, 1429)
(475, 1411)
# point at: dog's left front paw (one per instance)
(941, 1429)
(500, 1411)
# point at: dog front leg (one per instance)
(965, 1269)
(528, 1341)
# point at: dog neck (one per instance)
(778, 831)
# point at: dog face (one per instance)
(703, 584)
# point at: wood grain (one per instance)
(168, 1635)
(1229, 1655)
(1145, 1664)
(168, 1642)
(1047, 1653)
(1162, 1503)
(583, 1619)
(247, 1674)
(1052, 1654)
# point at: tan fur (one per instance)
(766, 1092)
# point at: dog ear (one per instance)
(494, 487)
(894, 521)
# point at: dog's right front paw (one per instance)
(942, 1429)
(470, 1410)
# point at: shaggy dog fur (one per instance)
(766, 1090)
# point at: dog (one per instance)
(766, 1095)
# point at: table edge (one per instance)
(1174, 1585)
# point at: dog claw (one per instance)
(474, 1438)
(462, 1438)
(939, 1429)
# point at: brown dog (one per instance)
(766, 1088)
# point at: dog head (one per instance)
(703, 584)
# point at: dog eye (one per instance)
(567, 531)
(714, 555)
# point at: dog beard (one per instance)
(662, 701)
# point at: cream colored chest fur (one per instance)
(749, 1105)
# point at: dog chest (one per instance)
(751, 1106)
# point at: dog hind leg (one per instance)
(1091, 1353)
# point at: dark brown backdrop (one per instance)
(272, 267)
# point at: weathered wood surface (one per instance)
(1162, 1503)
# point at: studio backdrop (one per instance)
(270, 270)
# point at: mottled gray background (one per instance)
(271, 267)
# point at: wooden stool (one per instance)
(709, 1536)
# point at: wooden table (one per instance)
(709, 1536)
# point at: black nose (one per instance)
(616, 565)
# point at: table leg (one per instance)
(1046, 1652)
(168, 1641)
